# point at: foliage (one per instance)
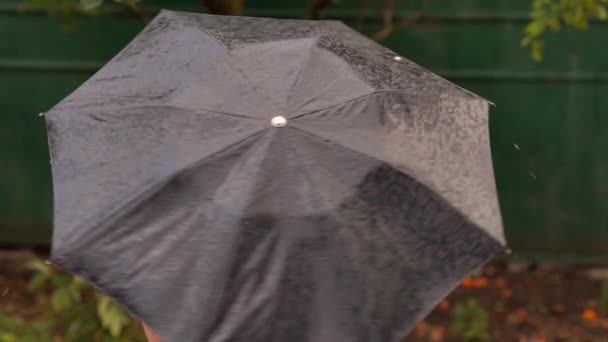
(551, 15)
(546, 15)
(70, 7)
(604, 298)
(470, 321)
(77, 312)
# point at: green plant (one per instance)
(545, 15)
(68, 7)
(71, 311)
(17, 330)
(604, 298)
(470, 321)
(551, 15)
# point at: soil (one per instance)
(522, 303)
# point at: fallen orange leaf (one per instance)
(437, 333)
(444, 305)
(480, 282)
(506, 293)
(521, 314)
(468, 282)
(590, 315)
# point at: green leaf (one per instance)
(604, 298)
(470, 321)
(129, 3)
(79, 282)
(38, 265)
(112, 316)
(537, 50)
(8, 337)
(74, 331)
(61, 299)
(74, 290)
(602, 13)
(535, 28)
(90, 5)
(37, 281)
(61, 280)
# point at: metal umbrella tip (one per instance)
(278, 121)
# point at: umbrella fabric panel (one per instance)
(105, 160)
(206, 62)
(224, 255)
(441, 140)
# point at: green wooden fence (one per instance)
(549, 129)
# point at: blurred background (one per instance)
(544, 63)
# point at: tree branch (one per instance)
(362, 12)
(387, 13)
(225, 7)
(388, 25)
(316, 6)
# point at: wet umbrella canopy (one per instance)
(264, 180)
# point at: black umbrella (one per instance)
(263, 180)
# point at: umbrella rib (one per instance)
(218, 41)
(362, 97)
(316, 136)
(303, 115)
(200, 110)
(331, 214)
(294, 86)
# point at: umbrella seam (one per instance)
(302, 68)
(347, 148)
(204, 30)
(430, 186)
(201, 111)
(365, 96)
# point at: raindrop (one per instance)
(516, 146)
(532, 175)
(398, 58)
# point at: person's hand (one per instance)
(152, 337)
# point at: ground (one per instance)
(521, 303)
